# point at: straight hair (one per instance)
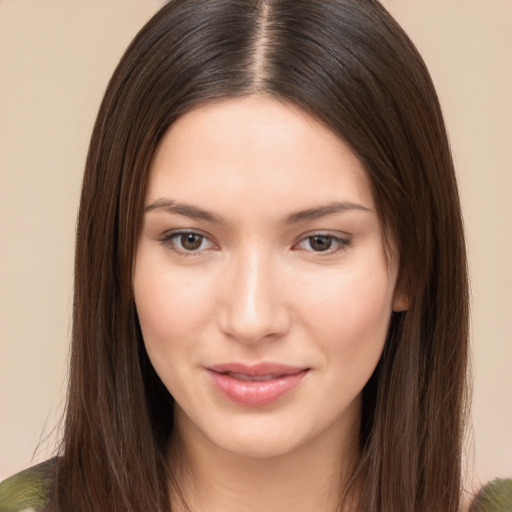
(348, 64)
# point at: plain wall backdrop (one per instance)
(56, 57)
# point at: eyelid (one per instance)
(343, 242)
(166, 241)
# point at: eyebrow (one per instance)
(323, 211)
(194, 212)
(184, 209)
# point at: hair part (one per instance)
(352, 67)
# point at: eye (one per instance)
(323, 243)
(187, 242)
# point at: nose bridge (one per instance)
(254, 309)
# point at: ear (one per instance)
(400, 302)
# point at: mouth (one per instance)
(256, 385)
(252, 378)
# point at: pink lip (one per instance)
(231, 380)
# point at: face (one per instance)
(261, 282)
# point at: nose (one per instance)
(253, 306)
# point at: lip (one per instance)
(256, 385)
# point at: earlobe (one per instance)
(401, 303)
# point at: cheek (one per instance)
(353, 301)
(349, 317)
(171, 307)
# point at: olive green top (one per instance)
(496, 496)
(27, 491)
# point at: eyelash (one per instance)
(342, 243)
(168, 242)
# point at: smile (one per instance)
(255, 386)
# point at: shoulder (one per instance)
(27, 490)
(496, 496)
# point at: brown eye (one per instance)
(320, 243)
(187, 243)
(323, 243)
(191, 241)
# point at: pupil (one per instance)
(320, 243)
(191, 242)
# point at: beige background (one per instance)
(55, 59)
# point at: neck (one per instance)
(309, 479)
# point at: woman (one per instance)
(270, 280)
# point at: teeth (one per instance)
(253, 378)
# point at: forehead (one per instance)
(228, 151)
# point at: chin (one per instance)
(253, 435)
(258, 448)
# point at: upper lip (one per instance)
(257, 370)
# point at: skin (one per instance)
(256, 287)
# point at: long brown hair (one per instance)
(352, 67)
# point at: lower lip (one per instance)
(256, 393)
